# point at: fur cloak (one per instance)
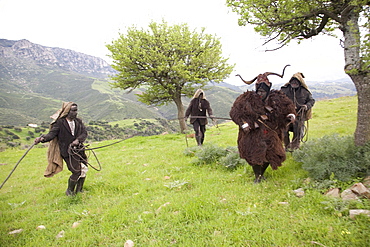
(268, 122)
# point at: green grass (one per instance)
(149, 191)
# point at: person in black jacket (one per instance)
(68, 132)
(297, 91)
(197, 110)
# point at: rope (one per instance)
(111, 143)
(200, 117)
(74, 151)
(19, 161)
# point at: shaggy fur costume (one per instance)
(263, 142)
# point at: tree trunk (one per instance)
(353, 67)
(362, 133)
(180, 114)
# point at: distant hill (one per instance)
(35, 80)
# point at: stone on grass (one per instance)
(129, 243)
(360, 190)
(348, 195)
(16, 231)
(299, 192)
(60, 234)
(76, 224)
(334, 192)
(283, 203)
(354, 212)
(41, 227)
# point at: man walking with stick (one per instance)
(66, 136)
(197, 110)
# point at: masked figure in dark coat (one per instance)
(296, 90)
(197, 110)
(67, 134)
(262, 117)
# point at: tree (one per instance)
(169, 61)
(287, 20)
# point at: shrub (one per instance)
(212, 154)
(8, 132)
(17, 129)
(232, 160)
(334, 157)
(13, 144)
(31, 134)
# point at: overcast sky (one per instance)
(88, 25)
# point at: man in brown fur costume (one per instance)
(66, 135)
(262, 117)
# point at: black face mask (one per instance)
(264, 87)
(295, 83)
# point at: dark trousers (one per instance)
(298, 130)
(74, 165)
(200, 130)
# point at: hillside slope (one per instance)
(150, 192)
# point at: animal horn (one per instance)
(281, 76)
(247, 82)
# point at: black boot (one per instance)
(263, 169)
(80, 184)
(257, 173)
(199, 141)
(71, 187)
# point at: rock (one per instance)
(60, 234)
(129, 243)
(348, 195)
(41, 227)
(366, 182)
(299, 192)
(16, 231)
(360, 190)
(76, 224)
(283, 203)
(333, 193)
(354, 212)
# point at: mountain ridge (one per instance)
(36, 79)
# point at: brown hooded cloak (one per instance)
(55, 160)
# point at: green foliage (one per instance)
(169, 61)
(212, 154)
(334, 157)
(288, 20)
(209, 154)
(232, 160)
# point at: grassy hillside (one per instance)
(150, 192)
